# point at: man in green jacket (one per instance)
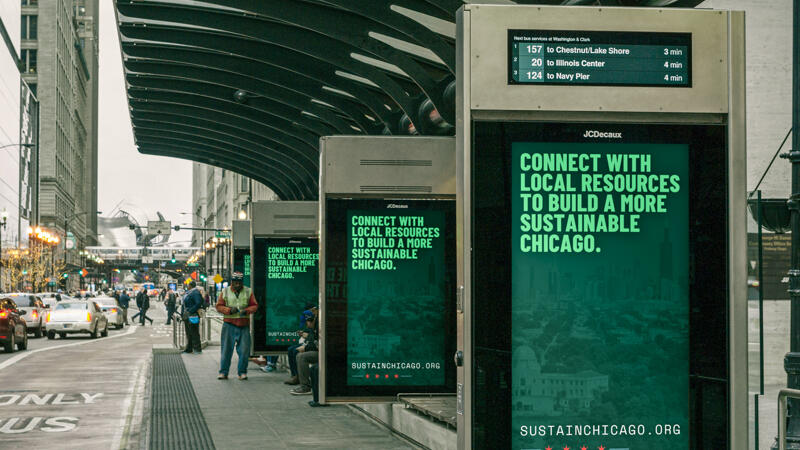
(236, 302)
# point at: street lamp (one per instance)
(17, 145)
(3, 221)
(202, 225)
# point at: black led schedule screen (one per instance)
(599, 58)
(390, 296)
(614, 339)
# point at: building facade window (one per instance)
(243, 186)
(30, 2)
(29, 60)
(28, 27)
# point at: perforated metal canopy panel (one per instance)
(251, 85)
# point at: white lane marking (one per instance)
(22, 356)
(131, 407)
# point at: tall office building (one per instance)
(9, 124)
(59, 56)
(219, 195)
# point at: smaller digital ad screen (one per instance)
(599, 58)
(390, 302)
(292, 280)
(241, 263)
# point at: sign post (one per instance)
(601, 175)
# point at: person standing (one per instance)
(171, 299)
(236, 302)
(124, 301)
(192, 302)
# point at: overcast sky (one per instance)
(143, 184)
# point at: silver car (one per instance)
(112, 311)
(76, 316)
(32, 309)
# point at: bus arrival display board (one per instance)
(389, 278)
(599, 58)
(291, 278)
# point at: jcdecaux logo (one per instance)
(601, 134)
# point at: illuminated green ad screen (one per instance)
(389, 296)
(599, 295)
(396, 266)
(292, 278)
(241, 263)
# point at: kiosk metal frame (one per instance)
(379, 168)
(716, 97)
(279, 220)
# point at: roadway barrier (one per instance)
(179, 331)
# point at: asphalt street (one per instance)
(79, 392)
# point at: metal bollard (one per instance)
(178, 333)
(203, 326)
(208, 328)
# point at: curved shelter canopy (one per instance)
(251, 85)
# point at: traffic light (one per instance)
(173, 258)
(66, 275)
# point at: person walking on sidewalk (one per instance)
(124, 302)
(171, 301)
(145, 302)
(236, 302)
(139, 301)
(192, 302)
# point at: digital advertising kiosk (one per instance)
(240, 236)
(285, 254)
(387, 267)
(601, 191)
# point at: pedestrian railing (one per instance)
(782, 412)
(179, 331)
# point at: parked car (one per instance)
(13, 329)
(112, 311)
(76, 316)
(31, 307)
(49, 303)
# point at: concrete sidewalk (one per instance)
(271, 418)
